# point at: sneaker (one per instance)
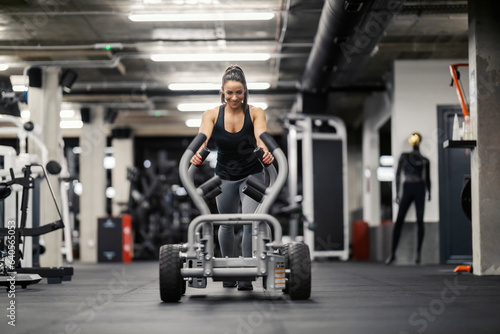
(245, 286)
(229, 284)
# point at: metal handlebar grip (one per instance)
(204, 152)
(259, 152)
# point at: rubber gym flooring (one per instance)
(347, 297)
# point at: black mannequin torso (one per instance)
(414, 167)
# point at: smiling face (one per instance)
(234, 93)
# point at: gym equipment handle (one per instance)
(209, 185)
(253, 193)
(259, 152)
(197, 142)
(269, 141)
(204, 152)
(254, 182)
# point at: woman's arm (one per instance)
(207, 126)
(260, 126)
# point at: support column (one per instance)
(93, 179)
(123, 152)
(484, 70)
(377, 111)
(45, 105)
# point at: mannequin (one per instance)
(415, 169)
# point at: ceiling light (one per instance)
(194, 86)
(211, 57)
(214, 86)
(71, 124)
(259, 85)
(196, 106)
(19, 88)
(183, 17)
(202, 106)
(68, 113)
(193, 122)
(386, 160)
(25, 114)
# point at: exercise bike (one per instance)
(285, 267)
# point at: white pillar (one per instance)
(123, 152)
(45, 104)
(377, 111)
(93, 179)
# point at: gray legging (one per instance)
(229, 202)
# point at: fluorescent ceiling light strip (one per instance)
(259, 85)
(193, 122)
(193, 17)
(186, 107)
(184, 57)
(19, 88)
(202, 106)
(71, 124)
(194, 86)
(66, 113)
(214, 86)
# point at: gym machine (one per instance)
(17, 251)
(283, 267)
(322, 142)
(15, 233)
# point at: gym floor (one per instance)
(347, 297)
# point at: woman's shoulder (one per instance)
(211, 113)
(255, 111)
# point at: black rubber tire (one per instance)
(299, 281)
(171, 282)
(285, 252)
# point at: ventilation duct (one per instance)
(336, 25)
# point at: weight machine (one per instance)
(24, 176)
(322, 141)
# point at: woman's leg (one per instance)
(248, 205)
(228, 202)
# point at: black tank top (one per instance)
(235, 158)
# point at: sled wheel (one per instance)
(285, 252)
(299, 281)
(171, 282)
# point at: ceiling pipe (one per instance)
(281, 39)
(337, 22)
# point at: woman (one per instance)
(235, 127)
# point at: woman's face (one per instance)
(234, 92)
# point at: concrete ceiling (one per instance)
(111, 54)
